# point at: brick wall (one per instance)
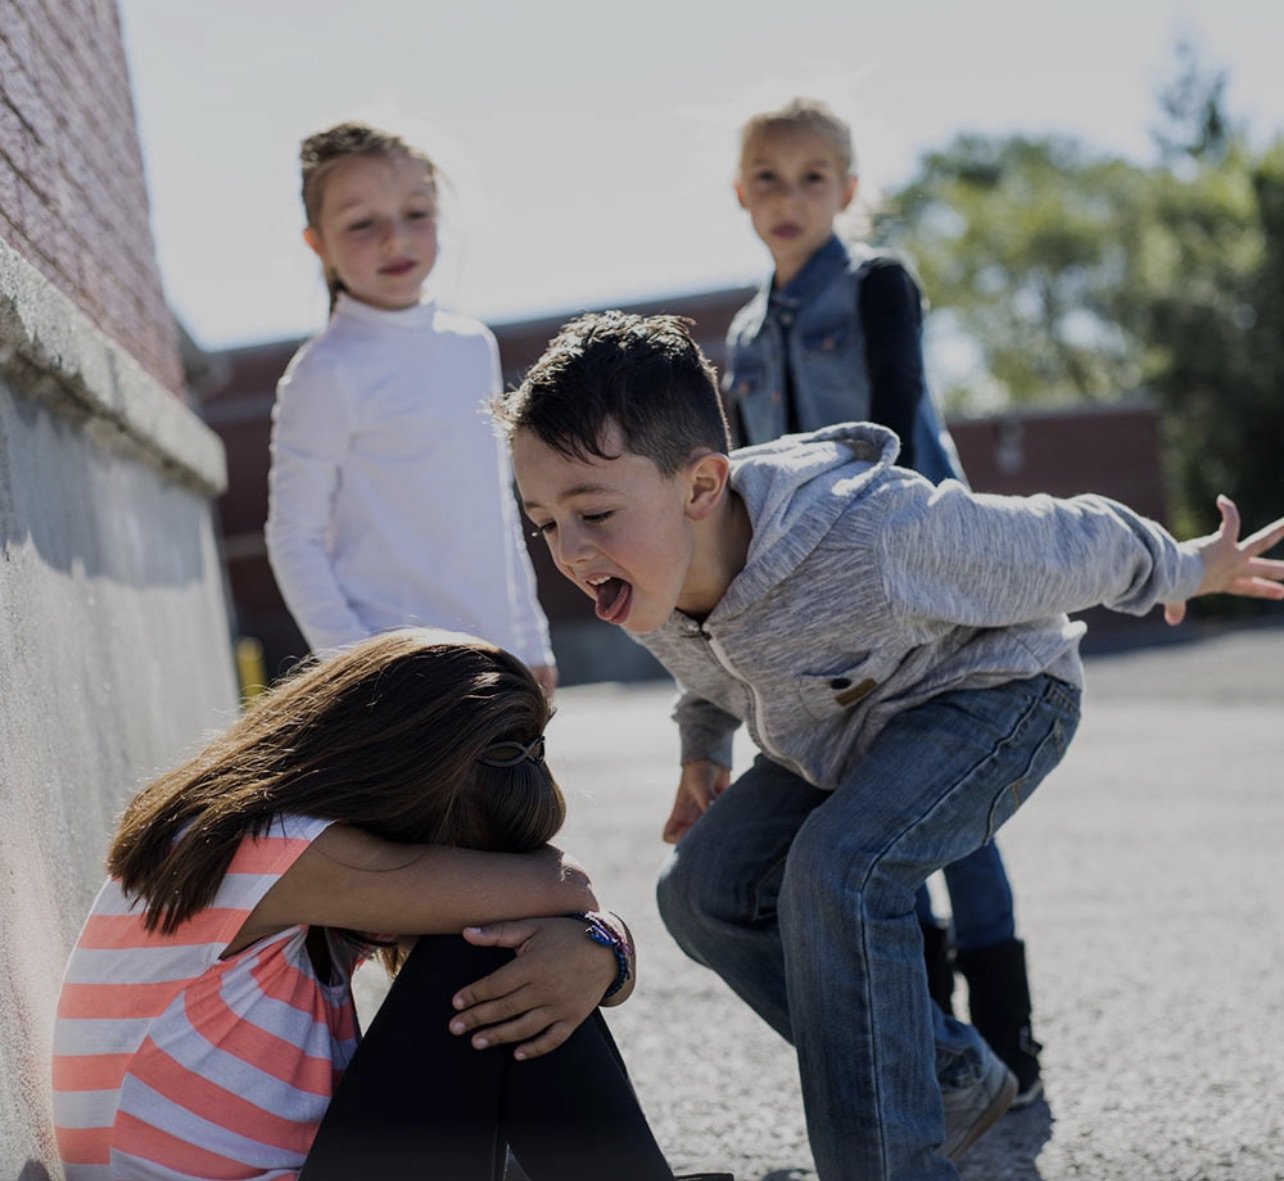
(72, 195)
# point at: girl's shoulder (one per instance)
(328, 369)
(881, 267)
(450, 323)
(465, 338)
(319, 355)
(262, 857)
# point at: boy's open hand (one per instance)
(702, 782)
(557, 978)
(1234, 567)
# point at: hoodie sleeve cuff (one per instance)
(706, 731)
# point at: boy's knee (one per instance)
(676, 891)
(819, 860)
(823, 869)
(692, 894)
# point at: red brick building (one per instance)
(73, 200)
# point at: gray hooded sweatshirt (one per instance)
(868, 590)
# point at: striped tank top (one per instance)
(171, 1064)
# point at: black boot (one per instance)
(999, 1001)
(938, 957)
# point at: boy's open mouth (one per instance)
(613, 598)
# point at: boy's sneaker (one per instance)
(971, 1110)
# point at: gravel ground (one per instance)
(1146, 875)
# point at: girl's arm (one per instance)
(311, 433)
(349, 879)
(891, 310)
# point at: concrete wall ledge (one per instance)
(51, 350)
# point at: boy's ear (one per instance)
(313, 239)
(849, 190)
(708, 475)
(740, 193)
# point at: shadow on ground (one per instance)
(1010, 1150)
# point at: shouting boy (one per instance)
(901, 655)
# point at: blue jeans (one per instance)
(803, 902)
(980, 900)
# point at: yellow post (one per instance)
(250, 668)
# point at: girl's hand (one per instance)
(556, 980)
(1234, 567)
(702, 782)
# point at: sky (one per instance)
(589, 147)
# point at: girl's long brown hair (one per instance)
(385, 736)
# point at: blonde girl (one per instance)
(390, 500)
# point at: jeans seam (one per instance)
(756, 914)
(1019, 796)
(870, 1010)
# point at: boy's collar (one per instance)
(724, 541)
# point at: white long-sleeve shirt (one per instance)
(390, 496)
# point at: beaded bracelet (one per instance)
(602, 932)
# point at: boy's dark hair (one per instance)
(643, 373)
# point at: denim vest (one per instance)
(827, 363)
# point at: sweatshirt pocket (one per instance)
(826, 696)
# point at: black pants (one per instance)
(418, 1102)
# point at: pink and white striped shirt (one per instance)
(171, 1064)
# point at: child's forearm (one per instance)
(568, 889)
(352, 880)
(477, 888)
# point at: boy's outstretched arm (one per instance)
(702, 782)
(1232, 566)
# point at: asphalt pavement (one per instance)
(1146, 874)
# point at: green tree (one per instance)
(1193, 121)
(1084, 276)
(1019, 240)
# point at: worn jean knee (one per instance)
(678, 894)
